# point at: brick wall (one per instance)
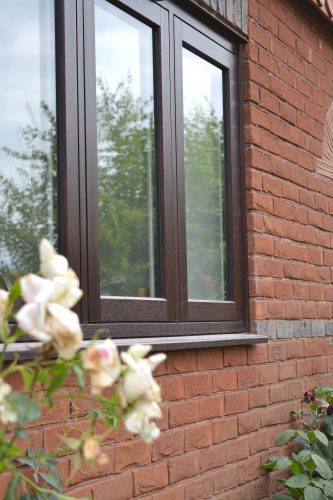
(225, 406)
(288, 90)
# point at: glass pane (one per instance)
(28, 157)
(204, 179)
(126, 155)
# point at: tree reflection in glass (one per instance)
(28, 186)
(128, 222)
(204, 179)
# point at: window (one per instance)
(136, 173)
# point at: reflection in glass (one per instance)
(28, 159)
(204, 179)
(126, 155)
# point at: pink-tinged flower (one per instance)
(102, 362)
(92, 452)
(3, 305)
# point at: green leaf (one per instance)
(304, 456)
(79, 375)
(315, 434)
(57, 381)
(28, 461)
(50, 479)
(283, 463)
(298, 481)
(285, 436)
(312, 493)
(328, 489)
(322, 466)
(26, 409)
(15, 292)
(12, 490)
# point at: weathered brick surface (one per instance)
(224, 406)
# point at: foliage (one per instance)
(311, 467)
(46, 316)
(128, 196)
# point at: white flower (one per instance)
(55, 267)
(67, 292)
(7, 415)
(138, 381)
(52, 323)
(63, 326)
(36, 289)
(3, 305)
(103, 364)
(31, 319)
(138, 421)
(51, 263)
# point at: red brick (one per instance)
(287, 370)
(258, 397)
(185, 466)
(304, 367)
(184, 413)
(198, 384)
(249, 422)
(249, 470)
(224, 429)
(169, 444)
(240, 449)
(182, 361)
(213, 457)
(235, 356)
(269, 374)
(226, 380)
(295, 389)
(278, 393)
(295, 349)
(172, 387)
(200, 488)
(212, 406)
(210, 359)
(277, 351)
(80, 492)
(236, 402)
(259, 441)
(226, 478)
(121, 484)
(319, 365)
(131, 455)
(150, 478)
(175, 493)
(199, 436)
(257, 354)
(248, 376)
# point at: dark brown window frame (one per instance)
(174, 316)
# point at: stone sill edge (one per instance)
(25, 350)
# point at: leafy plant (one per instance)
(46, 317)
(311, 467)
